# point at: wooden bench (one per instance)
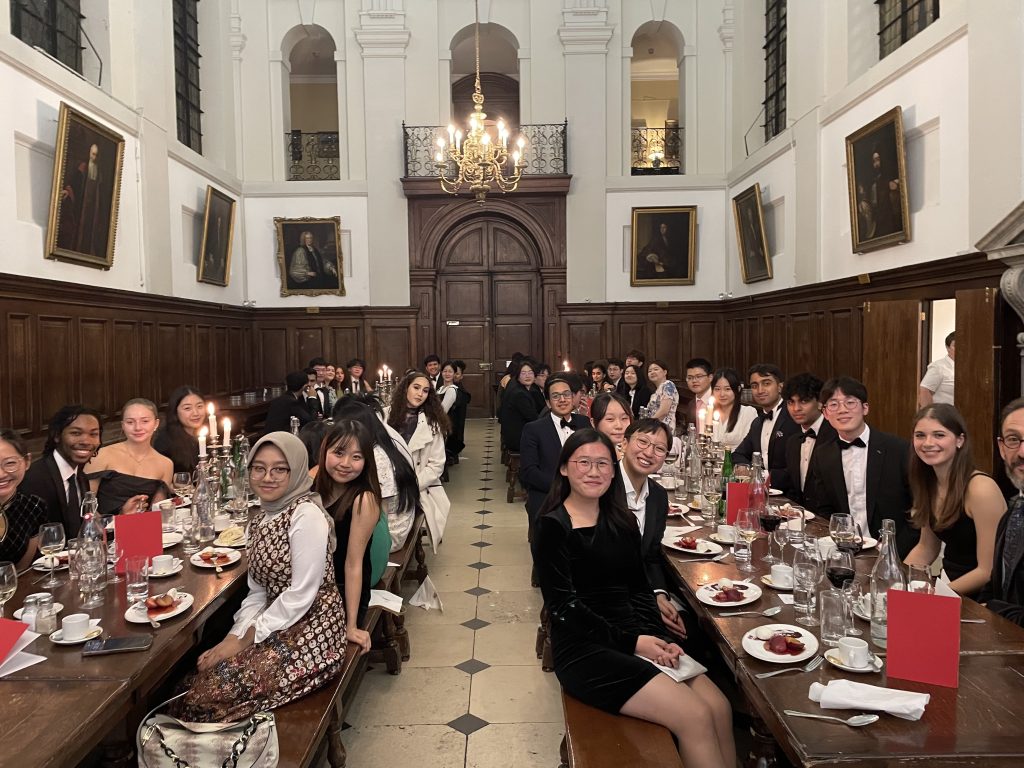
(596, 739)
(512, 477)
(304, 725)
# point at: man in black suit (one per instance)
(698, 382)
(802, 395)
(432, 367)
(57, 478)
(1005, 592)
(771, 429)
(863, 472)
(542, 440)
(292, 403)
(323, 393)
(615, 366)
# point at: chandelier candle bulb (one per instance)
(227, 431)
(202, 442)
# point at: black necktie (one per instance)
(74, 501)
(1013, 542)
(768, 415)
(566, 424)
(843, 445)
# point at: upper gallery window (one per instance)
(774, 68)
(186, 73)
(900, 20)
(53, 25)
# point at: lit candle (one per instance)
(451, 133)
(439, 157)
(565, 365)
(227, 431)
(380, 374)
(708, 412)
(213, 421)
(700, 416)
(716, 430)
(202, 442)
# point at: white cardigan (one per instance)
(428, 457)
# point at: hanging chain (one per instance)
(231, 761)
(476, 33)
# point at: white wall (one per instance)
(943, 317)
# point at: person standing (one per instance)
(937, 384)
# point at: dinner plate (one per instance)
(719, 540)
(704, 547)
(176, 568)
(756, 648)
(675, 510)
(173, 539)
(57, 638)
(774, 492)
(706, 594)
(233, 554)
(138, 614)
(868, 543)
(57, 608)
(860, 609)
(43, 563)
(239, 544)
(832, 657)
(767, 579)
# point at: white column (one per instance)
(237, 42)
(727, 34)
(342, 85)
(280, 114)
(444, 90)
(627, 109)
(525, 87)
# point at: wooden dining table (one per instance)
(976, 724)
(98, 694)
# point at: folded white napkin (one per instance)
(684, 669)
(386, 600)
(426, 596)
(846, 694)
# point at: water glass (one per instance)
(832, 612)
(113, 549)
(72, 545)
(190, 533)
(166, 508)
(92, 570)
(8, 583)
(794, 525)
(136, 569)
(805, 585)
(919, 579)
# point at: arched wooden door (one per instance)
(489, 302)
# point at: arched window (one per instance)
(499, 74)
(656, 100)
(313, 100)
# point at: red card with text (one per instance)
(737, 496)
(923, 638)
(138, 534)
(10, 631)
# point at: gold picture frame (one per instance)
(748, 215)
(84, 198)
(218, 231)
(664, 246)
(876, 170)
(309, 256)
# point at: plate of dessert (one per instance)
(691, 545)
(780, 643)
(215, 557)
(172, 603)
(726, 593)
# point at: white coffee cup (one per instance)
(163, 563)
(221, 522)
(853, 652)
(75, 626)
(726, 532)
(782, 575)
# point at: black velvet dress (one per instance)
(600, 601)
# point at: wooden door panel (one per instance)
(976, 375)
(466, 248)
(892, 363)
(586, 341)
(273, 354)
(465, 297)
(509, 248)
(514, 297)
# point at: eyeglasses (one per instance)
(276, 473)
(697, 377)
(585, 465)
(1010, 441)
(849, 404)
(644, 443)
(10, 466)
(560, 395)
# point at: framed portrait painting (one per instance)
(664, 248)
(877, 173)
(218, 228)
(85, 192)
(309, 256)
(755, 259)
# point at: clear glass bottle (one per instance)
(293, 423)
(758, 483)
(92, 548)
(693, 474)
(203, 504)
(886, 575)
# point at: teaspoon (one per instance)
(766, 612)
(854, 722)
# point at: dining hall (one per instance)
(529, 383)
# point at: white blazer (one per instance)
(428, 457)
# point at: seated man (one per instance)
(57, 478)
(801, 394)
(771, 429)
(863, 472)
(292, 403)
(698, 381)
(1005, 592)
(615, 366)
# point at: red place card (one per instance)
(737, 497)
(138, 534)
(10, 631)
(923, 638)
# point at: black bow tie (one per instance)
(808, 435)
(566, 424)
(768, 415)
(843, 445)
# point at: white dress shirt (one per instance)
(938, 379)
(855, 471)
(807, 448)
(766, 432)
(563, 432)
(66, 471)
(635, 500)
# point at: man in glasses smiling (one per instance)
(1006, 589)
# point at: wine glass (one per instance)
(51, 541)
(839, 567)
(711, 494)
(182, 483)
(8, 583)
(748, 526)
(843, 531)
(113, 549)
(770, 521)
(805, 585)
(853, 592)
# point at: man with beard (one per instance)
(308, 268)
(1005, 591)
(82, 226)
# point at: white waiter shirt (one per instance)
(938, 380)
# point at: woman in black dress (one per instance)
(517, 405)
(178, 437)
(637, 390)
(603, 614)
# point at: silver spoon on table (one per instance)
(854, 722)
(767, 612)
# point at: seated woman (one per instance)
(598, 375)
(517, 406)
(953, 503)
(665, 400)
(334, 380)
(178, 438)
(131, 474)
(417, 415)
(289, 635)
(638, 392)
(347, 483)
(736, 418)
(611, 416)
(587, 550)
(21, 514)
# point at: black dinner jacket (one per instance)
(283, 408)
(660, 573)
(1005, 597)
(539, 449)
(783, 428)
(43, 480)
(888, 489)
(826, 434)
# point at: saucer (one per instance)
(58, 637)
(719, 540)
(176, 568)
(833, 658)
(767, 579)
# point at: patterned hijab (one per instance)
(299, 482)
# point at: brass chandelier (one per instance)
(482, 160)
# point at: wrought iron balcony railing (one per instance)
(546, 149)
(314, 156)
(656, 151)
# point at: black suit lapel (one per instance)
(876, 466)
(831, 463)
(58, 484)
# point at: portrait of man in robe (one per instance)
(309, 256)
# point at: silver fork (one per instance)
(810, 666)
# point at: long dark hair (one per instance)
(923, 481)
(732, 378)
(613, 509)
(172, 439)
(341, 435)
(641, 377)
(366, 410)
(431, 408)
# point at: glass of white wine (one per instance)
(8, 583)
(711, 494)
(748, 526)
(51, 541)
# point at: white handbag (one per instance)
(166, 742)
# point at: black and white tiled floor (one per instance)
(473, 693)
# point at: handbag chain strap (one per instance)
(231, 761)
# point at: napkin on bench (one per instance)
(684, 669)
(846, 694)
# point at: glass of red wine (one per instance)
(839, 567)
(770, 520)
